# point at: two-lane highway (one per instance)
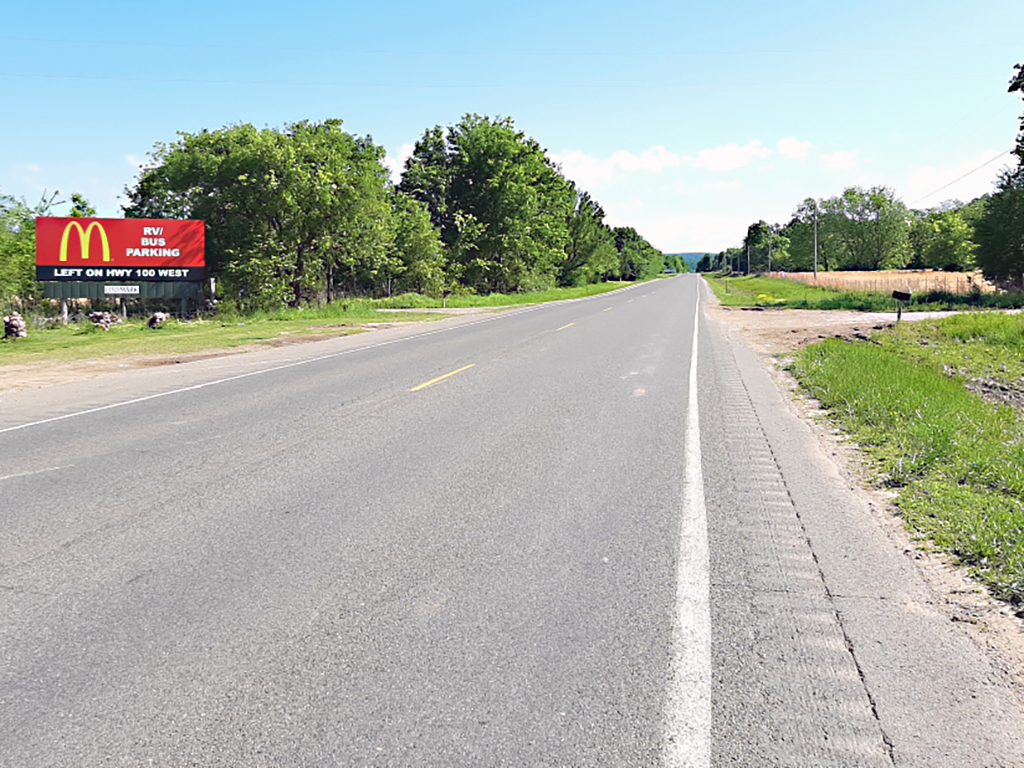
(488, 544)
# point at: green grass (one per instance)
(79, 341)
(767, 292)
(969, 345)
(509, 299)
(956, 460)
(752, 291)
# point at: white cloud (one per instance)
(396, 165)
(586, 169)
(654, 160)
(730, 156)
(699, 231)
(691, 188)
(792, 149)
(26, 170)
(842, 161)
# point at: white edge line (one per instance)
(306, 361)
(33, 472)
(688, 740)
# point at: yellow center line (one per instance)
(609, 309)
(570, 325)
(441, 378)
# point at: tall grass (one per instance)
(957, 460)
(885, 280)
(752, 291)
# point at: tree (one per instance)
(291, 214)
(678, 262)
(1000, 230)
(951, 245)
(416, 248)
(81, 208)
(501, 205)
(949, 226)
(767, 247)
(705, 263)
(871, 228)
(18, 249)
(427, 178)
(808, 217)
(638, 259)
(732, 260)
(1017, 84)
(590, 247)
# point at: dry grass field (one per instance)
(914, 280)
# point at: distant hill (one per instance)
(691, 259)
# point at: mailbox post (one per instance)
(900, 297)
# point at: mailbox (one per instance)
(900, 297)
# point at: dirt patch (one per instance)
(45, 373)
(998, 392)
(774, 331)
(774, 335)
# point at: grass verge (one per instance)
(418, 301)
(82, 340)
(955, 458)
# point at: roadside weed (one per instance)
(956, 459)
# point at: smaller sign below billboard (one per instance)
(94, 289)
(121, 290)
(163, 250)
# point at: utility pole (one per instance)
(771, 236)
(748, 257)
(815, 239)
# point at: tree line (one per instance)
(307, 213)
(868, 229)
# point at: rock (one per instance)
(14, 326)
(158, 318)
(104, 319)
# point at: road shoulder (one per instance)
(941, 660)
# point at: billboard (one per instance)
(120, 249)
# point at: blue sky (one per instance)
(685, 120)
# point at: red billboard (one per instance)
(120, 249)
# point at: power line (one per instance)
(491, 52)
(433, 85)
(954, 181)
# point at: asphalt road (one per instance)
(485, 543)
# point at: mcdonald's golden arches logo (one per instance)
(84, 236)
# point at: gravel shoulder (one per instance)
(774, 335)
